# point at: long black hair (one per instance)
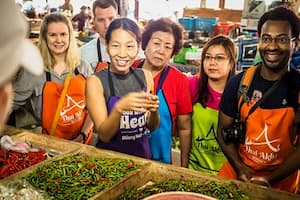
(230, 50)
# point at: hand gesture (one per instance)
(138, 101)
(152, 102)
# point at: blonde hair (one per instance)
(72, 55)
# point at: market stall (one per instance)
(119, 177)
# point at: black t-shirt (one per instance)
(286, 95)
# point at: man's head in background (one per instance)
(15, 52)
(104, 11)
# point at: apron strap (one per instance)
(48, 76)
(60, 103)
(162, 77)
(76, 71)
(99, 51)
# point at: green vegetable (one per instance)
(79, 176)
(217, 190)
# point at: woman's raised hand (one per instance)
(139, 102)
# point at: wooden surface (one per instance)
(10, 130)
(224, 15)
(158, 172)
(43, 141)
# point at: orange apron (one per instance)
(267, 144)
(73, 113)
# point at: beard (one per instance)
(278, 65)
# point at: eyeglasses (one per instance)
(218, 58)
(280, 40)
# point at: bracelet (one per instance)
(261, 179)
(84, 136)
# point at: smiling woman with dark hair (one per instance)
(119, 97)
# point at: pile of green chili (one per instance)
(79, 176)
(217, 190)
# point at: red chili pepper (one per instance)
(105, 180)
(131, 165)
(14, 161)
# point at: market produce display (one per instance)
(20, 189)
(12, 161)
(223, 191)
(79, 176)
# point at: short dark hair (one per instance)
(125, 24)
(164, 25)
(104, 4)
(280, 13)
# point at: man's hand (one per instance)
(244, 173)
(260, 181)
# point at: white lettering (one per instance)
(251, 151)
(68, 117)
(267, 156)
(124, 122)
(128, 112)
(128, 137)
(142, 120)
(78, 114)
(133, 123)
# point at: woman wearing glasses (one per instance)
(218, 64)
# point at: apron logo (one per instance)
(202, 143)
(68, 114)
(132, 120)
(71, 104)
(269, 143)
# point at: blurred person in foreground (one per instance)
(257, 144)
(15, 52)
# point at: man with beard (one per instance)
(264, 99)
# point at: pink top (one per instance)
(213, 100)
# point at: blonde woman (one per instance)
(61, 59)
